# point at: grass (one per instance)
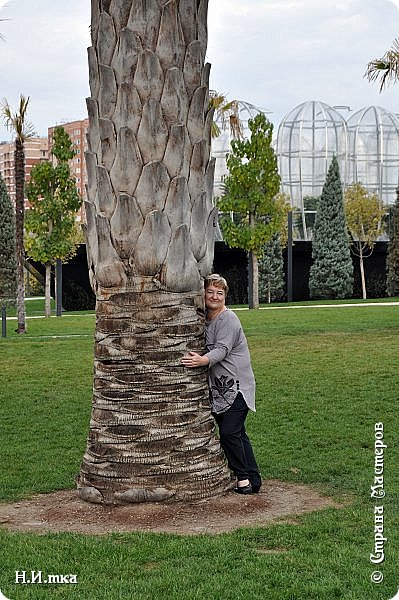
(324, 378)
(35, 307)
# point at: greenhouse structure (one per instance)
(366, 145)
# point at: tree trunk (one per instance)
(253, 271)
(47, 293)
(19, 158)
(362, 274)
(150, 238)
(58, 287)
(255, 280)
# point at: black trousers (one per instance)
(235, 442)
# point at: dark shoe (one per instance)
(256, 488)
(245, 489)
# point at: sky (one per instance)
(274, 54)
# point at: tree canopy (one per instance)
(7, 247)
(364, 213)
(16, 121)
(54, 202)
(393, 251)
(251, 196)
(51, 229)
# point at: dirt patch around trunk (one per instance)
(62, 511)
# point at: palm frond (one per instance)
(1, 35)
(227, 113)
(216, 100)
(385, 68)
(16, 121)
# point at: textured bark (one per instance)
(19, 160)
(150, 237)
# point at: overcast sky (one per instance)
(272, 53)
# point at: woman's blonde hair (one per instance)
(218, 281)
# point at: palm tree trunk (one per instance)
(150, 237)
(19, 160)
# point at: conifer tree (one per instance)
(271, 271)
(8, 263)
(393, 252)
(331, 274)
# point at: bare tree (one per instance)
(150, 238)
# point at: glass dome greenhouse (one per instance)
(366, 145)
(307, 138)
(373, 149)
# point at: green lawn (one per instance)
(35, 307)
(325, 376)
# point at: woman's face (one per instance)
(215, 297)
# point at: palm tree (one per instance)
(1, 35)
(227, 114)
(385, 68)
(150, 237)
(22, 129)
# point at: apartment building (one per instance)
(77, 131)
(36, 150)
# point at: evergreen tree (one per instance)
(393, 251)
(8, 263)
(331, 274)
(271, 271)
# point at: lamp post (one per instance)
(58, 287)
(3, 321)
(289, 258)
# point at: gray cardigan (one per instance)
(230, 368)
